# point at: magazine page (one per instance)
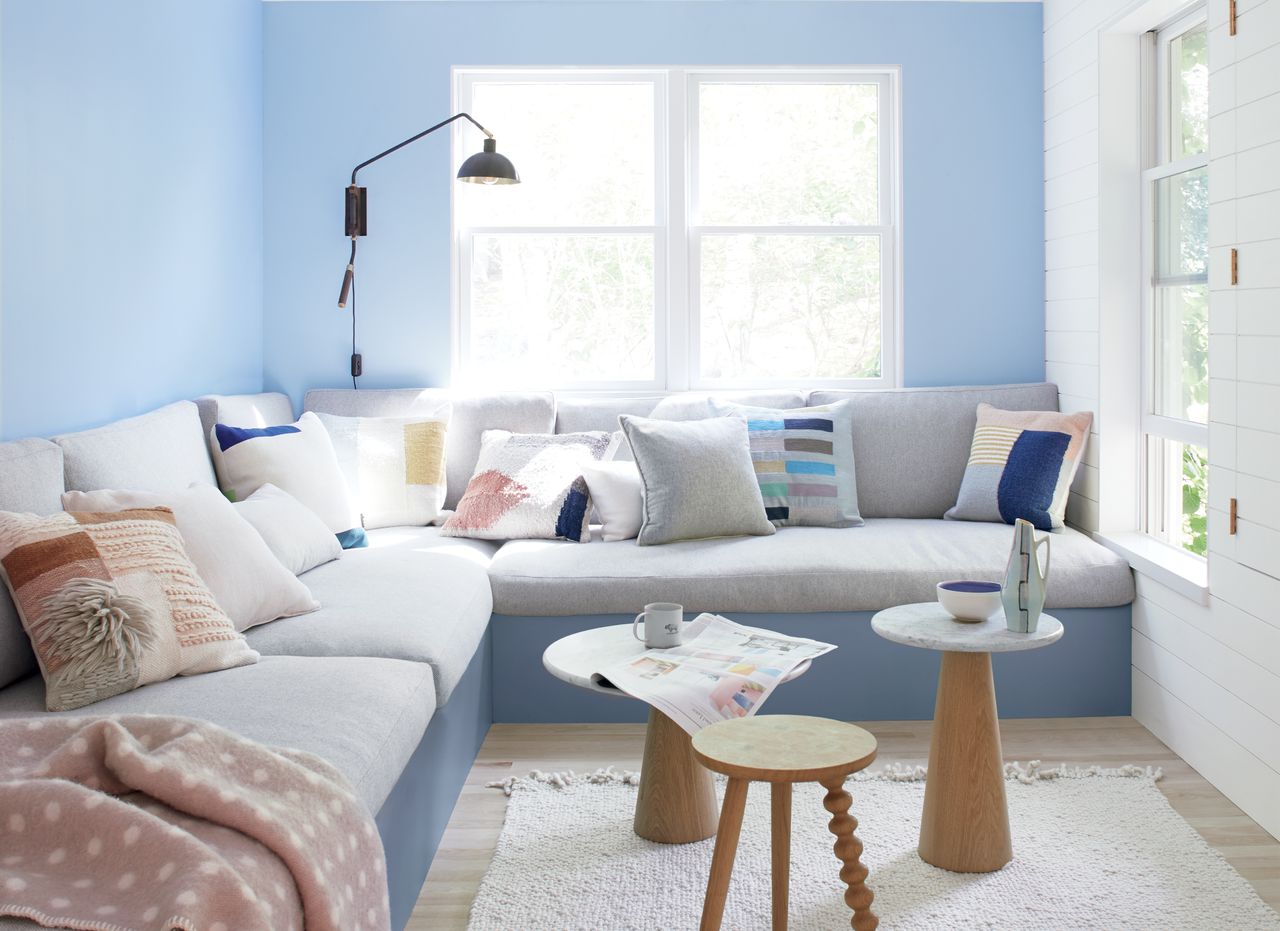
(721, 670)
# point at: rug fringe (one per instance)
(1026, 773)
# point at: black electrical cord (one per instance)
(354, 386)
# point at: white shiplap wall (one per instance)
(1206, 678)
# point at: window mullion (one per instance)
(678, 314)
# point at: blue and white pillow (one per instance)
(297, 458)
(1021, 465)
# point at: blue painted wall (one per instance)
(132, 207)
(344, 80)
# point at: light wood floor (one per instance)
(514, 749)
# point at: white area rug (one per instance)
(1093, 849)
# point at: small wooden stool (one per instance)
(782, 749)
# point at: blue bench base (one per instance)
(413, 818)
(1086, 673)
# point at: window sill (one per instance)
(1186, 574)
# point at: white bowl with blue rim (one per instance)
(969, 599)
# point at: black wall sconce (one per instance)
(485, 167)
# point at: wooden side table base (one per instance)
(676, 803)
(965, 825)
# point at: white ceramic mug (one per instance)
(663, 625)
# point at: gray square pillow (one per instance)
(698, 479)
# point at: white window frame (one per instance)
(1157, 502)
(677, 239)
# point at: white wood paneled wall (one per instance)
(1206, 678)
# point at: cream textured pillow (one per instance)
(246, 579)
(394, 466)
(297, 457)
(698, 479)
(291, 530)
(111, 602)
(529, 486)
(618, 498)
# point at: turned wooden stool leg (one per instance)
(848, 848)
(780, 802)
(735, 799)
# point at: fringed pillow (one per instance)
(529, 486)
(111, 602)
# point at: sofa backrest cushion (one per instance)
(911, 445)
(30, 482)
(532, 412)
(582, 415)
(164, 450)
(269, 409)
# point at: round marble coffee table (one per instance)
(965, 825)
(676, 803)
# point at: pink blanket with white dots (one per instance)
(151, 823)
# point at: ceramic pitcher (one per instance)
(1025, 577)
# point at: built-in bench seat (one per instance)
(365, 716)
(889, 561)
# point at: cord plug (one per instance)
(357, 365)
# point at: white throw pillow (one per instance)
(248, 582)
(297, 457)
(618, 497)
(291, 530)
(394, 466)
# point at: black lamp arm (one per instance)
(356, 203)
(425, 132)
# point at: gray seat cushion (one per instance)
(422, 602)
(365, 716)
(31, 482)
(533, 412)
(164, 450)
(799, 569)
(911, 445)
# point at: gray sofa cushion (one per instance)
(365, 716)
(426, 603)
(911, 445)
(696, 405)
(164, 450)
(579, 415)
(30, 481)
(534, 412)
(268, 409)
(800, 569)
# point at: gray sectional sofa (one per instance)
(423, 641)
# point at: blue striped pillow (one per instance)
(803, 460)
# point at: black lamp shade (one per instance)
(488, 167)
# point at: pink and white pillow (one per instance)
(529, 486)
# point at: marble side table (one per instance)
(676, 802)
(965, 824)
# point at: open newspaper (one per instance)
(721, 670)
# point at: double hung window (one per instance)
(680, 228)
(1176, 258)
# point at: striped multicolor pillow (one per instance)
(1021, 465)
(803, 460)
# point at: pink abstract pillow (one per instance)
(529, 486)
